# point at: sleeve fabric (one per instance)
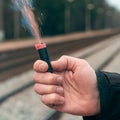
(109, 90)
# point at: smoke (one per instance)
(28, 19)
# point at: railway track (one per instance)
(27, 99)
(15, 55)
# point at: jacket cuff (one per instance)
(109, 90)
(104, 90)
(103, 93)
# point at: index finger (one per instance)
(40, 66)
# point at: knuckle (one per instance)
(50, 79)
(35, 77)
(54, 97)
(53, 89)
(36, 88)
(63, 56)
(44, 99)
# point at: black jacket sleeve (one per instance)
(109, 90)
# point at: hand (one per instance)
(72, 88)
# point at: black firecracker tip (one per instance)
(42, 50)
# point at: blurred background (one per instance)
(87, 29)
(61, 17)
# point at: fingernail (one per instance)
(59, 90)
(59, 80)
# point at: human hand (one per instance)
(71, 88)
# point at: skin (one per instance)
(71, 88)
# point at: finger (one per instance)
(59, 65)
(64, 63)
(52, 99)
(48, 89)
(40, 66)
(47, 78)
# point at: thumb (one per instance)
(64, 63)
